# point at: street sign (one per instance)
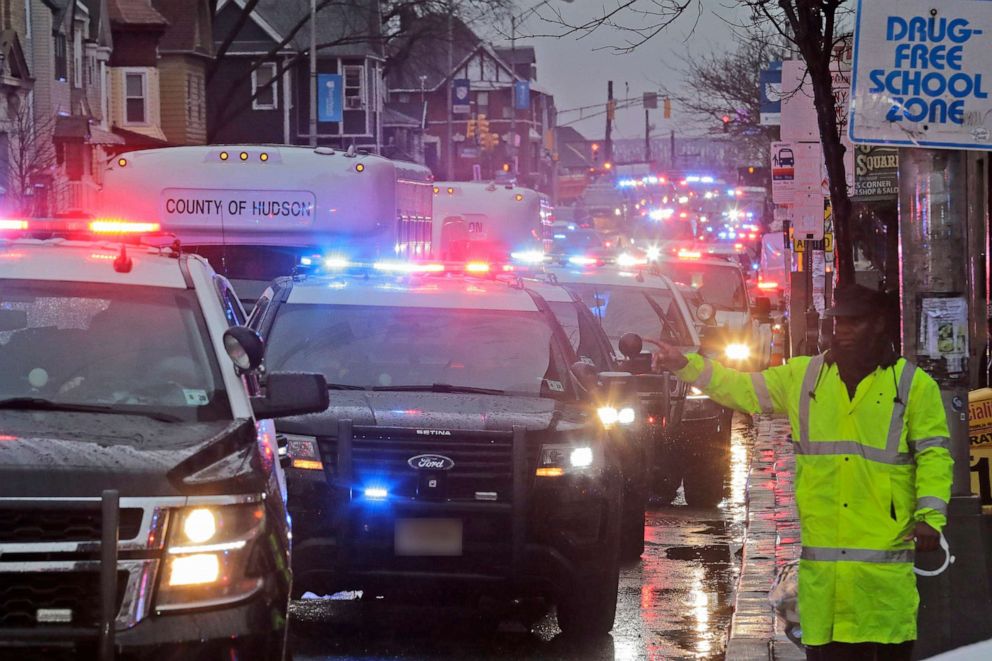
(650, 100)
(921, 74)
(330, 97)
(810, 170)
(521, 95)
(460, 101)
(770, 81)
(783, 172)
(807, 215)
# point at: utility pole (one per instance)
(313, 73)
(608, 141)
(450, 148)
(671, 148)
(943, 237)
(513, 96)
(647, 136)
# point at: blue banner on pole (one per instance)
(330, 97)
(521, 94)
(460, 101)
(770, 82)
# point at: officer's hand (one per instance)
(927, 539)
(666, 357)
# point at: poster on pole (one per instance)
(807, 215)
(921, 74)
(460, 100)
(943, 335)
(330, 97)
(876, 174)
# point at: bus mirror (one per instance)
(245, 348)
(631, 345)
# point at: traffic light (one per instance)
(607, 166)
(595, 152)
(667, 108)
(470, 129)
(726, 123)
(483, 125)
(506, 167)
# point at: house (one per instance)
(135, 83)
(186, 52)
(423, 73)
(15, 86)
(260, 91)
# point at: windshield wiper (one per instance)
(441, 387)
(41, 404)
(344, 386)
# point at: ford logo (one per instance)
(431, 462)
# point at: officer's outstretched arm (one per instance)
(930, 442)
(750, 392)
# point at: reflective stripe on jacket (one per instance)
(866, 470)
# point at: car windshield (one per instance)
(582, 334)
(720, 286)
(646, 311)
(577, 240)
(125, 349)
(384, 346)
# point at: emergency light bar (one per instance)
(343, 265)
(101, 227)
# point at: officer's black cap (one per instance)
(857, 301)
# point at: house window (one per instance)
(354, 87)
(135, 97)
(263, 89)
(61, 63)
(482, 103)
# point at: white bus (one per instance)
(474, 219)
(255, 210)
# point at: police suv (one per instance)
(142, 508)
(458, 455)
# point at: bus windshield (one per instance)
(720, 286)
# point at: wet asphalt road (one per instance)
(675, 603)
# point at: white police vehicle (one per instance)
(458, 456)
(142, 509)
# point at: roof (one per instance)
(343, 29)
(518, 55)
(610, 276)
(135, 139)
(392, 117)
(423, 291)
(77, 128)
(184, 25)
(422, 51)
(134, 12)
(85, 261)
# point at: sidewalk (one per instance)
(771, 540)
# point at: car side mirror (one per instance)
(245, 347)
(631, 345)
(585, 377)
(291, 393)
(762, 308)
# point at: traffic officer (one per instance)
(873, 474)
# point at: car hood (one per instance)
(732, 320)
(427, 410)
(63, 454)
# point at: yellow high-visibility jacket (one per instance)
(866, 471)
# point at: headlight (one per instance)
(705, 312)
(207, 556)
(737, 351)
(610, 415)
(556, 460)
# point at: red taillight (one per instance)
(13, 225)
(477, 267)
(768, 285)
(122, 227)
(689, 254)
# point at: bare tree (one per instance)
(814, 27)
(727, 84)
(30, 156)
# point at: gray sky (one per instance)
(577, 73)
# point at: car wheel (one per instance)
(632, 525)
(705, 481)
(588, 608)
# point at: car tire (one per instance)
(632, 525)
(705, 480)
(667, 477)
(588, 609)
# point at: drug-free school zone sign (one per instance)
(922, 74)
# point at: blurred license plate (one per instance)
(428, 537)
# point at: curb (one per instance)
(771, 540)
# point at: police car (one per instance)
(634, 452)
(142, 509)
(679, 424)
(458, 456)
